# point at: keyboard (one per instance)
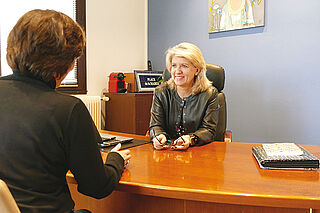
(111, 140)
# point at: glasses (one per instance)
(168, 143)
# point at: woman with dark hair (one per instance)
(185, 107)
(44, 133)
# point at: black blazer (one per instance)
(199, 113)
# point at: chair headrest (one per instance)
(215, 74)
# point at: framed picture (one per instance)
(147, 81)
(225, 15)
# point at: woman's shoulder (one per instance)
(68, 101)
(210, 93)
(212, 90)
(164, 91)
(162, 88)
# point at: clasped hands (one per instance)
(161, 142)
(125, 154)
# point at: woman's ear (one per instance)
(197, 72)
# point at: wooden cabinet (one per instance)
(128, 112)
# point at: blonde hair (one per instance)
(193, 54)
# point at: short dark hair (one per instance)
(44, 44)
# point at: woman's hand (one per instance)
(159, 141)
(182, 143)
(125, 154)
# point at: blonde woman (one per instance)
(184, 109)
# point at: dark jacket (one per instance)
(199, 113)
(43, 134)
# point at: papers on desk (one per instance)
(282, 149)
(284, 156)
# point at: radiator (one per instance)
(93, 103)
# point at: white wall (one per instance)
(117, 38)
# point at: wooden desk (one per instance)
(218, 177)
(128, 112)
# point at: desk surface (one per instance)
(219, 172)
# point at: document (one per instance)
(282, 149)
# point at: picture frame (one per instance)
(227, 15)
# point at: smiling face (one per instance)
(183, 72)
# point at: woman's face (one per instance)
(183, 72)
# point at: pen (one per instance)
(158, 140)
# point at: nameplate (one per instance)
(147, 81)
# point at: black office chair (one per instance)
(216, 75)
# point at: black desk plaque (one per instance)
(147, 81)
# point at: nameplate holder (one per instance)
(147, 81)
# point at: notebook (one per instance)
(284, 156)
(111, 140)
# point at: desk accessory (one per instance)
(133, 143)
(147, 81)
(288, 156)
(112, 140)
